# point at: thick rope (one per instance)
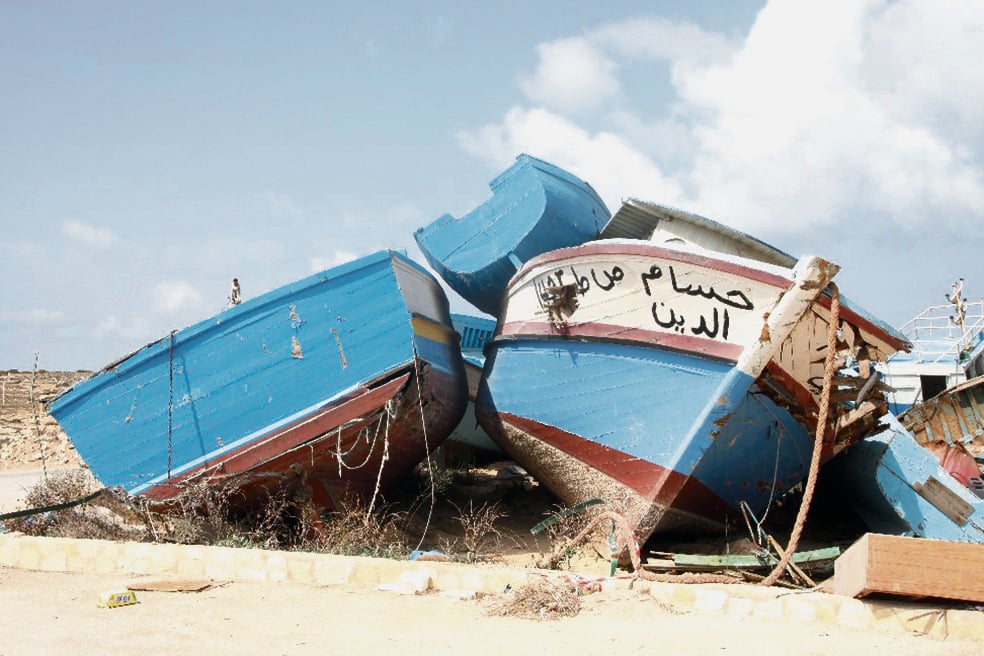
(430, 464)
(54, 507)
(811, 481)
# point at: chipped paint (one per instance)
(341, 351)
(295, 348)
(295, 319)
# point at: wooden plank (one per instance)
(945, 500)
(911, 567)
(753, 560)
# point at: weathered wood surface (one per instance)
(911, 567)
(737, 561)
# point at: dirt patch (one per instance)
(29, 437)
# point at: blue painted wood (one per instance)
(698, 417)
(881, 473)
(535, 207)
(255, 367)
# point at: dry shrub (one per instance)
(96, 519)
(200, 515)
(478, 524)
(561, 533)
(356, 530)
(538, 599)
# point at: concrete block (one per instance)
(710, 600)
(739, 606)
(854, 614)
(276, 566)
(220, 563)
(332, 570)
(300, 567)
(798, 609)
(771, 609)
(51, 554)
(163, 558)
(191, 561)
(249, 565)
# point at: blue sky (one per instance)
(149, 152)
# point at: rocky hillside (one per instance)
(26, 430)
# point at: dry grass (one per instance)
(209, 514)
(539, 599)
(90, 520)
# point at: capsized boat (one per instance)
(535, 207)
(335, 384)
(951, 427)
(674, 369)
(899, 487)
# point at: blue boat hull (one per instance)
(671, 440)
(336, 383)
(899, 488)
(535, 207)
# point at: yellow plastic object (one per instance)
(117, 598)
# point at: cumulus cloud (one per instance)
(573, 75)
(174, 296)
(819, 114)
(88, 234)
(605, 160)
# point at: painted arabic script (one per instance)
(671, 289)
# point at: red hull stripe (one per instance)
(609, 332)
(660, 485)
(652, 250)
(266, 448)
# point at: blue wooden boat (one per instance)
(898, 487)
(535, 207)
(336, 384)
(673, 370)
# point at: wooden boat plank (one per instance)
(910, 567)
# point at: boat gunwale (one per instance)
(142, 355)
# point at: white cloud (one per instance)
(572, 75)
(823, 113)
(175, 296)
(605, 160)
(88, 234)
(661, 39)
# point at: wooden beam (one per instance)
(911, 567)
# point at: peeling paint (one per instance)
(765, 336)
(295, 320)
(341, 351)
(295, 348)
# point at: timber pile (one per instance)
(911, 567)
(19, 433)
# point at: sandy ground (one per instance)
(55, 613)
